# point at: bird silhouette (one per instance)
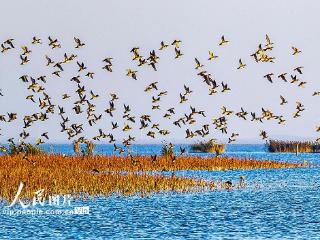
(83, 98)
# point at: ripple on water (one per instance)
(276, 204)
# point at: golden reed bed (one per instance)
(107, 175)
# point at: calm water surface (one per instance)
(277, 204)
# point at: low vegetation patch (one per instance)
(107, 175)
(293, 146)
(208, 147)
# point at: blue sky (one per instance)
(112, 28)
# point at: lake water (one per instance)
(277, 204)
(252, 151)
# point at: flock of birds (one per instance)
(85, 103)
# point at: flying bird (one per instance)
(212, 56)
(241, 65)
(295, 50)
(78, 42)
(223, 41)
(283, 100)
(269, 77)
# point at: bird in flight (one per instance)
(295, 50)
(212, 56)
(241, 65)
(83, 100)
(163, 45)
(283, 100)
(269, 77)
(223, 41)
(78, 42)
